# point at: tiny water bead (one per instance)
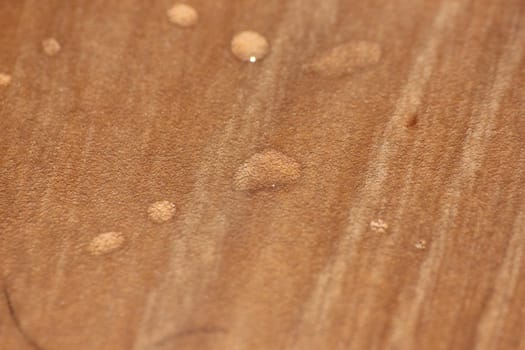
(183, 15)
(106, 243)
(420, 244)
(379, 225)
(345, 59)
(51, 46)
(266, 170)
(5, 79)
(161, 211)
(249, 46)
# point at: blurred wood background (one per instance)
(405, 230)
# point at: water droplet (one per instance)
(5, 79)
(183, 15)
(106, 243)
(420, 244)
(266, 170)
(345, 59)
(161, 211)
(379, 225)
(249, 46)
(51, 46)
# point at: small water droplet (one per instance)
(379, 225)
(345, 59)
(5, 79)
(266, 170)
(51, 46)
(106, 243)
(161, 211)
(420, 244)
(183, 15)
(249, 46)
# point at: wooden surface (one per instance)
(404, 230)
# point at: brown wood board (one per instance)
(319, 202)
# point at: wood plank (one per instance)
(380, 149)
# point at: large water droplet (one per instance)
(183, 15)
(249, 46)
(266, 170)
(345, 59)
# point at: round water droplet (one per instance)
(345, 59)
(161, 211)
(249, 46)
(106, 243)
(51, 46)
(266, 170)
(5, 79)
(183, 15)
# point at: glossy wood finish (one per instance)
(405, 230)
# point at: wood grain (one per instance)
(426, 145)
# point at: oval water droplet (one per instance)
(249, 46)
(106, 243)
(183, 15)
(266, 170)
(5, 79)
(161, 211)
(51, 46)
(345, 59)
